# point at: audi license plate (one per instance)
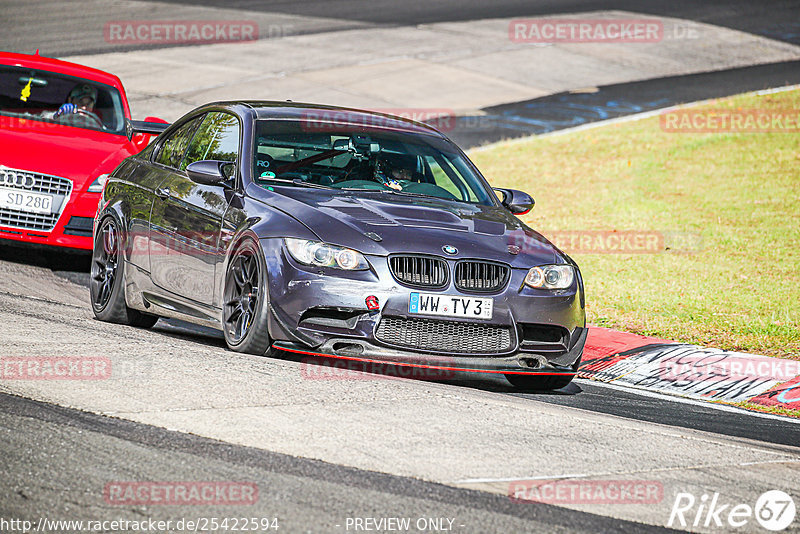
(16, 199)
(450, 305)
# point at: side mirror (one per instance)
(140, 133)
(210, 172)
(517, 202)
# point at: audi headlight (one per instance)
(550, 277)
(324, 255)
(98, 184)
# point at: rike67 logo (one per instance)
(774, 510)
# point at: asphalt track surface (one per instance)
(744, 15)
(56, 457)
(582, 394)
(59, 458)
(64, 29)
(629, 403)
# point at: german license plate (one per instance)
(16, 199)
(450, 305)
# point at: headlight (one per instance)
(550, 277)
(325, 255)
(98, 184)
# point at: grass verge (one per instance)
(727, 272)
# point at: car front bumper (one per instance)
(323, 312)
(73, 230)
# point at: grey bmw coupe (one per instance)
(335, 232)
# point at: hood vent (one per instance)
(365, 215)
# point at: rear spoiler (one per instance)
(145, 127)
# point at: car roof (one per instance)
(35, 61)
(287, 110)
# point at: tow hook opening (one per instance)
(531, 363)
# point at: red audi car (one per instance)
(63, 128)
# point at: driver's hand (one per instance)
(64, 109)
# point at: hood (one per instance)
(415, 225)
(75, 153)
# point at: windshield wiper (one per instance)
(296, 181)
(410, 194)
(388, 190)
(361, 189)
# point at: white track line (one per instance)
(615, 473)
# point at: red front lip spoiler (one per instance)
(422, 366)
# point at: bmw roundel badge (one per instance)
(450, 249)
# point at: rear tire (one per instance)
(107, 282)
(245, 306)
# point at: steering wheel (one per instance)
(86, 114)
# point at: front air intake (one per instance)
(444, 336)
(426, 272)
(481, 276)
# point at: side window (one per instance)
(173, 148)
(217, 138)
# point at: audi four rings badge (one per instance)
(12, 178)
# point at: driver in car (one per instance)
(82, 97)
(396, 171)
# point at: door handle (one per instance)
(163, 192)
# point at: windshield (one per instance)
(361, 159)
(39, 95)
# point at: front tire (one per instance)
(539, 383)
(543, 383)
(107, 282)
(245, 304)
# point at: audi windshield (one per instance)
(58, 98)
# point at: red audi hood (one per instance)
(75, 153)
